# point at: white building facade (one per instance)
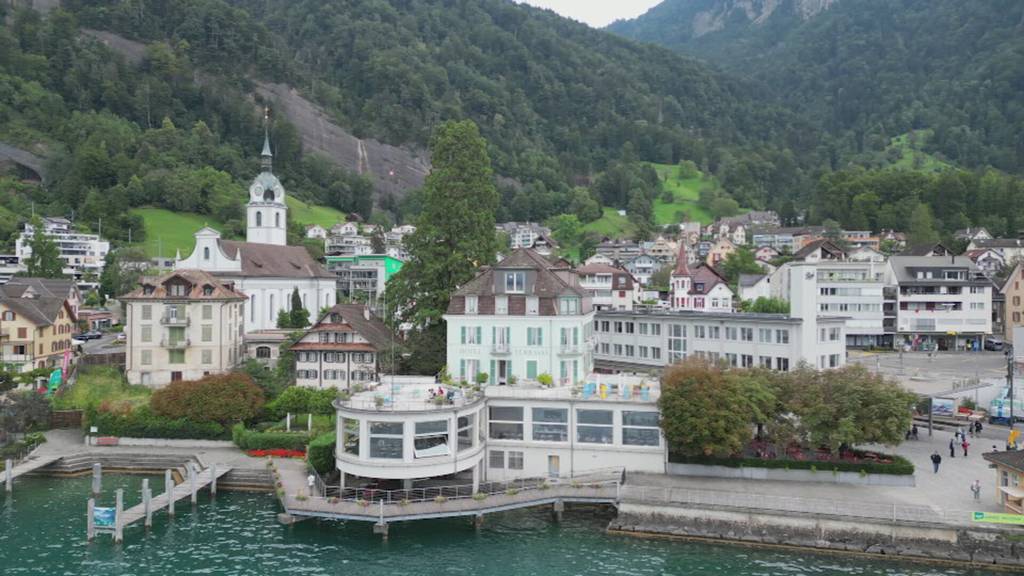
(342, 349)
(81, 253)
(520, 319)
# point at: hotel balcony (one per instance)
(175, 344)
(571, 349)
(501, 348)
(175, 320)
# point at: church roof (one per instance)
(682, 262)
(270, 260)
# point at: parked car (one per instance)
(90, 335)
(994, 344)
(121, 336)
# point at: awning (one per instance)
(1012, 491)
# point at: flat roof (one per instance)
(726, 316)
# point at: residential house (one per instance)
(943, 302)
(1009, 481)
(1012, 249)
(36, 326)
(264, 346)
(610, 288)
(523, 317)
(860, 239)
(931, 249)
(719, 251)
(47, 287)
(698, 289)
(755, 218)
(754, 286)
(818, 251)
(345, 229)
(316, 232)
(619, 250)
(989, 260)
(662, 249)
(766, 254)
(1012, 291)
(525, 234)
(342, 349)
(865, 254)
(971, 234)
(599, 259)
(182, 326)
(348, 246)
(642, 267)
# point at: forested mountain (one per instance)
(557, 101)
(870, 70)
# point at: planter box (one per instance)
(824, 476)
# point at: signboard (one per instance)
(997, 518)
(103, 517)
(943, 406)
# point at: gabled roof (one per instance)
(1011, 459)
(41, 311)
(270, 260)
(198, 279)
(707, 277)
(826, 246)
(546, 283)
(43, 287)
(930, 249)
(363, 321)
(749, 280)
(591, 269)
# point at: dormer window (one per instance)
(471, 304)
(177, 290)
(147, 289)
(569, 306)
(700, 287)
(515, 282)
(207, 290)
(206, 253)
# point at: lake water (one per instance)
(42, 532)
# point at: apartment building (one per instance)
(651, 339)
(342, 349)
(81, 253)
(942, 302)
(521, 318)
(182, 326)
(610, 288)
(363, 276)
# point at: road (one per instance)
(103, 345)
(936, 373)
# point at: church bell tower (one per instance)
(267, 212)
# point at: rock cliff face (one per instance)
(720, 12)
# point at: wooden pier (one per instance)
(184, 490)
(26, 467)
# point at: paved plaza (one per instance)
(935, 373)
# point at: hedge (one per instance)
(254, 440)
(142, 423)
(900, 466)
(321, 453)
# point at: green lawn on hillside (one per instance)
(910, 150)
(168, 232)
(685, 193)
(304, 213)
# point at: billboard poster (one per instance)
(103, 517)
(997, 518)
(943, 406)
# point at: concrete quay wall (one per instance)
(983, 546)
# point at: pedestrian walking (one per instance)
(913, 432)
(976, 489)
(952, 448)
(964, 445)
(311, 481)
(977, 427)
(936, 460)
(960, 433)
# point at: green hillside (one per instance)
(304, 213)
(906, 153)
(167, 231)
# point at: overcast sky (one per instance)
(597, 13)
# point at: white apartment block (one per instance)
(647, 339)
(182, 326)
(610, 288)
(81, 253)
(519, 319)
(942, 302)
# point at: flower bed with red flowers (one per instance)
(277, 453)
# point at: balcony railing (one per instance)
(570, 349)
(175, 344)
(501, 348)
(175, 320)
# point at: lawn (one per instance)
(304, 213)
(925, 163)
(99, 384)
(685, 194)
(167, 231)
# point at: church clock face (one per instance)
(256, 192)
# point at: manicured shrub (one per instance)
(253, 440)
(321, 452)
(300, 400)
(899, 466)
(222, 398)
(143, 423)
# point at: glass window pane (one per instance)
(501, 431)
(551, 432)
(350, 436)
(640, 419)
(558, 415)
(640, 436)
(496, 459)
(594, 434)
(395, 428)
(594, 417)
(432, 427)
(510, 413)
(385, 447)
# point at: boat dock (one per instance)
(28, 466)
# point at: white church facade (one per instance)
(264, 267)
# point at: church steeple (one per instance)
(266, 158)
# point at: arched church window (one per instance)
(206, 253)
(268, 195)
(259, 218)
(277, 220)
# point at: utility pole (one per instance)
(1009, 381)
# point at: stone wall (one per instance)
(982, 545)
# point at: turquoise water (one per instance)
(42, 531)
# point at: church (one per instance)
(264, 267)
